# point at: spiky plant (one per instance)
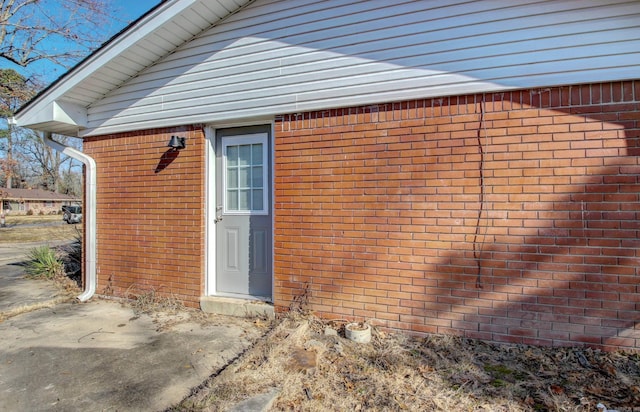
(44, 263)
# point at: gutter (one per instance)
(89, 213)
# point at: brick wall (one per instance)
(150, 233)
(510, 217)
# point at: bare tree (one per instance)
(3, 195)
(14, 91)
(47, 168)
(61, 31)
(58, 33)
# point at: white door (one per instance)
(243, 212)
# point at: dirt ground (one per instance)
(315, 368)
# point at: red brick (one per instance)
(130, 187)
(552, 224)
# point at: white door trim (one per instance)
(210, 202)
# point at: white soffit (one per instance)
(144, 42)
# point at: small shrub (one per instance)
(44, 263)
(71, 256)
(29, 212)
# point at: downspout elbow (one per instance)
(89, 213)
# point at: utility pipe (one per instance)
(88, 213)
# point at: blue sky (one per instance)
(132, 9)
(125, 11)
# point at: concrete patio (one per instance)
(102, 355)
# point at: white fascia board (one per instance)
(43, 106)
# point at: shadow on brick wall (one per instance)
(569, 275)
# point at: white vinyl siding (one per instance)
(292, 55)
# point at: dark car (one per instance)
(72, 214)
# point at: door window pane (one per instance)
(232, 155)
(244, 155)
(257, 153)
(232, 199)
(257, 200)
(256, 177)
(245, 177)
(245, 199)
(232, 178)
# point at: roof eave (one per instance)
(58, 109)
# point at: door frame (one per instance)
(210, 205)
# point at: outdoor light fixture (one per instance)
(177, 143)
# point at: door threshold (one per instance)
(242, 308)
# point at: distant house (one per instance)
(460, 167)
(34, 201)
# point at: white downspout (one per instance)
(88, 213)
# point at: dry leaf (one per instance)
(425, 369)
(557, 390)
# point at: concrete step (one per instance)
(236, 307)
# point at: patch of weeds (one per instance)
(433, 373)
(386, 357)
(498, 383)
(72, 259)
(45, 263)
(149, 301)
(502, 373)
(219, 393)
(498, 370)
(300, 302)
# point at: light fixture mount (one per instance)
(177, 143)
